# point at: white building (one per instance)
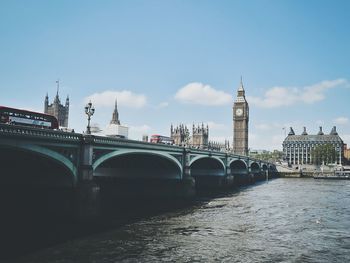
(298, 149)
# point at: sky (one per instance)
(171, 62)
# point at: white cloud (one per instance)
(142, 128)
(287, 96)
(341, 120)
(216, 126)
(162, 105)
(125, 98)
(316, 92)
(262, 141)
(136, 132)
(346, 139)
(263, 126)
(198, 93)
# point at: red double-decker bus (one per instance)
(14, 116)
(161, 139)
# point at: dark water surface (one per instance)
(284, 220)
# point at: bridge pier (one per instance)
(86, 201)
(229, 179)
(188, 183)
(244, 179)
(86, 193)
(187, 188)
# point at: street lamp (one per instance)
(89, 110)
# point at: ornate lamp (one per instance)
(89, 111)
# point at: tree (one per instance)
(268, 156)
(324, 154)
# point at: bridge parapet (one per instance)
(9, 130)
(83, 151)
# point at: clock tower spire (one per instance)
(240, 122)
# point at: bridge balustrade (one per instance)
(10, 130)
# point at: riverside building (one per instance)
(297, 149)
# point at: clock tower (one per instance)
(240, 122)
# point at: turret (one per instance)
(334, 131)
(46, 104)
(57, 98)
(115, 116)
(291, 132)
(61, 112)
(320, 132)
(240, 91)
(304, 132)
(66, 112)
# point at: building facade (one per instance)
(180, 134)
(346, 153)
(200, 136)
(240, 122)
(298, 149)
(199, 139)
(60, 111)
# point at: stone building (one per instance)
(219, 146)
(200, 135)
(199, 139)
(347, 153)
(61, 112)
(240, 122)
(297, 149)
(180, 134)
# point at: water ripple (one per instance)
(286, 220)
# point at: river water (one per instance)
(284, 220)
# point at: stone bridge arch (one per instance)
(208, 171)
(239, 169)
(131, 164)
(255, 168)
(44, 166)
(238, 166)
(264, 167)
(207, 166)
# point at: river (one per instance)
(284, 220)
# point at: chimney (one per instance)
(291, 132)
(320, 131)
(304, 132)
(334, 131)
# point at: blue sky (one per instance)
(181, 62)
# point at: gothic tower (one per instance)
(179, 134)
(240, 122)
(61, 112)
(115, 116)
(200, 135)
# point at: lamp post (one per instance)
(89, 110)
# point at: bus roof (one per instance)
(28, 111)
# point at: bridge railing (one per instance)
(133, 143)
(15, 130)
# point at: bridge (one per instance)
(91, 167)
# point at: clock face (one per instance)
(239, 112)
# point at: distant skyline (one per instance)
(172, 62)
